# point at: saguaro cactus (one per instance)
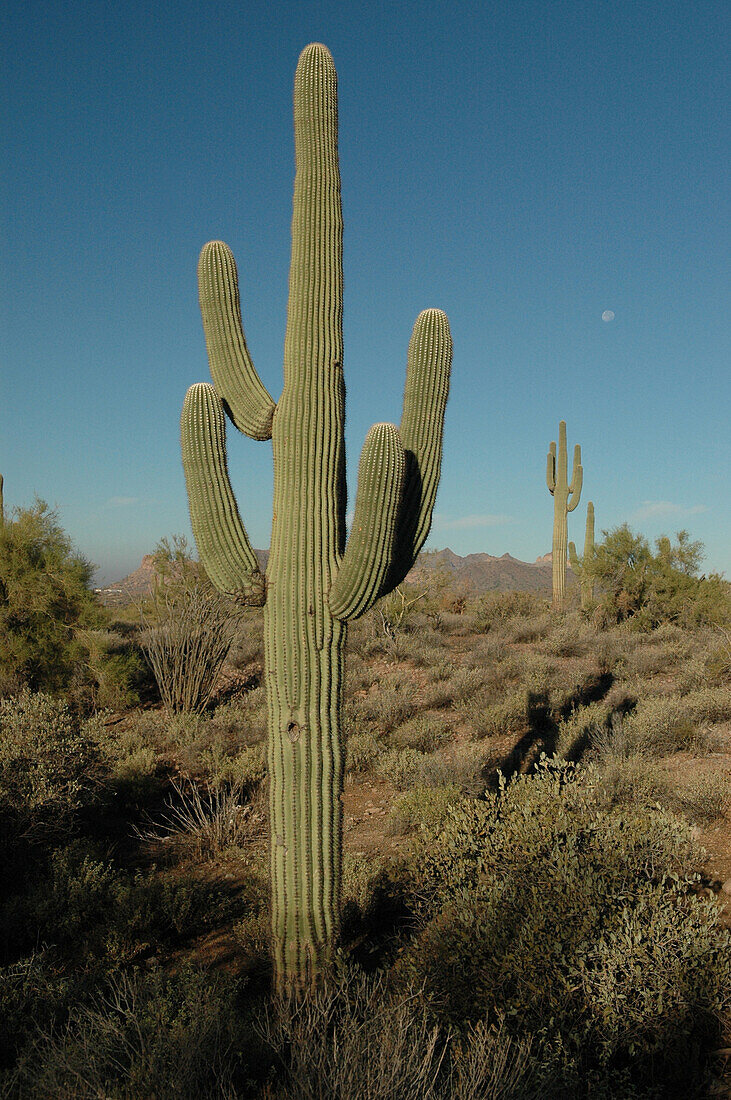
(314, 584)
(565, 498)
(583, 568)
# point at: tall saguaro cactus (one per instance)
(583, 568)
(565, 498)
(314, 583)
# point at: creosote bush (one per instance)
(582, 925)
(48, 764)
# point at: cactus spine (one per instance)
(583, 568)
(314, 583)
(565, 498)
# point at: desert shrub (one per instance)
(189, 630)
(425, 732)
(47, 764)
(119, 672)
(627, 780)
(578, 923)
(579, 729)
(659, 726)
(361, 751)
(384, 709)
(652, 589)
(704, 798)
(44, 595)
(400, 767)
(496, 719)
(495, 608)
(354, 1040)
(203, 824)
(86, 905)
(243, 773)
(708, 704)
(455, 765)
(142, 1035)
(421, 806)
(528, 628)
(569, 638)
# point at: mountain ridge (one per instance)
(478, 573)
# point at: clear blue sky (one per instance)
(525, 166)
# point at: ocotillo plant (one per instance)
(314, 583)
(583, 568)
(565, 498)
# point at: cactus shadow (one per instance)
(541, 735)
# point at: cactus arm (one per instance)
(421, 431)
(574, 559)
(223, 545)
(551, 469)
(369, 553)
(577, 480)
(589, 536)
(250, 406)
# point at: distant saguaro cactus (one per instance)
(565, 498)
(314, 583)
(583, 569)
(2, 504)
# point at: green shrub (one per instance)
(47, 764)
(44, 595)
(421, 806)
(361, 750)
(121, 676)
(496, 608)
(400, 767)
(661, 725)
(86, 906)
(652, 589)
(152, 1035)
(425, 732)
(578, 923)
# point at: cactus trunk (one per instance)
(565, 498)
(314, 582)
(303, 642)
(584, 568)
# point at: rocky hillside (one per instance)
(475, 573)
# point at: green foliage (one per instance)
(400, 767)
(421, 806)
(48, 763)
(579, 923)
(44, 595)
(119, 673)
(150, 1035)
(651, 589)
(496, 608)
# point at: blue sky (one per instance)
(523, 166)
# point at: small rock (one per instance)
(727, 886)
(695, 832)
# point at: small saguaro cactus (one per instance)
(314, 583)
(565, 498)
(583, 569)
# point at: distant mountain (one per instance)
(485, 573)
(476, 572)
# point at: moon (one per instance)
(608, 315)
